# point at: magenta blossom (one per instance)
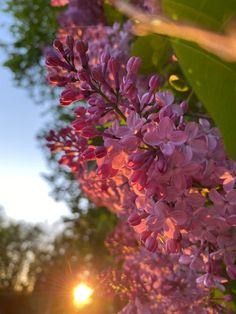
(165, 136)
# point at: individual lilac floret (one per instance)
(165, 136)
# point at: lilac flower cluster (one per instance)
(64, 60)
(80, 13)
(154, 165)
(178, 170)
(155, 283)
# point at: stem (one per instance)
(117, 110)
(115, 106)
(190, 96)
(198, 115)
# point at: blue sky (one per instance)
(23, 193)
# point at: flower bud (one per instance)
(231, 220)
(70, 42)
(105, 56)
(130, 89)
(57, 80)
(154, 82)
(106, 171)
(81, 47)
(184, 106)
(133, 65)
(231, 271)
(185, 259)
(51, 136)
(114, 66)
(70, 95)
(144, 235)
(134, 219)
(57, 44)
(151, 244)
(90, 132)
(83, 75)
(97, 73)
(64, 160)
(88, 153)
(53, 59)
(172, 246)
(80, 111)
(100, 151)
(79, 124)
(228, 298)
(147, 98)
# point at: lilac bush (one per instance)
(143, 155)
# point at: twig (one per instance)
(198, 115)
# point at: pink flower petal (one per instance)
(197, 264)
(195, 199)
(151, 244)
(231, 270)
(167, 148)
(231, 220)
(152, 138)
(216, 197)
(191, 168)
(210, 237)
(231, 197)
(178, 137)
(165, 98)
(165, 127)
(185, 259)
(187, 152)
(179, 182)
(199, 146)
(179, 216)
(169, 228)
(134, 122)
(161, 210)
(191, 130)
(201, 280)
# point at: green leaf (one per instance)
(212, 79)
(155, 51)
(210, 14)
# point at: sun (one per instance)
(82, 294)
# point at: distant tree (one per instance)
(33, 27)
(38, 273)
(77, 253)
(19, 244)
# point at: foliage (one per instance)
(37, 270)
(33, 27)
(78, 251)
(204, 69)
(19, 249)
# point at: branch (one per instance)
(223, 46)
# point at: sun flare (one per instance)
(82, 294)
